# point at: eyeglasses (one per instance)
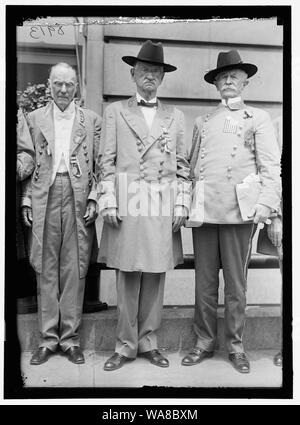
(59, 85)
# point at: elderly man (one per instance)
(233, 143)
(144, 201)
(60, 205)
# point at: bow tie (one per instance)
(147, 104)
(63, 115)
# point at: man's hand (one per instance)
(111, 216)
(275, 231)
(91, 213)
(180, 216)
(27, 216)
(260, 213)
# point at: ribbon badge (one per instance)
(165, 141)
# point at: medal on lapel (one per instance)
(230, 125)
(76, 170)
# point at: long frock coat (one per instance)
(144, 173)
(84, 145)
(228, 145)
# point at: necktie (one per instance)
(147, 104)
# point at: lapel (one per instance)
(46, 125)
(134, 118)
(78, 133)
(162, 120)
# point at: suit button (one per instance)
(235, 147)
(138, 142)
(229, 176)
(233, 153)
(142, 175)
(162, 150)
(141, 161)
(38, 164)
(201, 170)
(160, 170)
(84, 146)
(162, 162)
(141, 167)
(40, 152)
(202, 156)
(201, 177)
(36, 177)
(85, 153)
(140, 149)
(87, 160)
(229, 168)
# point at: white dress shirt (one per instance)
(63, 123)
(149, 113)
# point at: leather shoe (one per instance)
(156, 358)
(116, 361)
(240, 362)
(41, 355)
(196, 355)
(278, 359)
(75, 355)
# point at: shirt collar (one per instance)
(139, 98)
(232, 100)
(69, 110)
(233, 103)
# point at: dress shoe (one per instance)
(196, 355)
(116, 361)
(278, 359)
(156, 358)
(240, 362)
(41, 355)
(75, 355)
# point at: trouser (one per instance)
(60, 289)
(140, 303)
(229, 246)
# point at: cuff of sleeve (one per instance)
(184, 195)
(26, 202)
(178, 210)
(107, 201)
(93, 196)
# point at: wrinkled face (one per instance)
(63, 86)
(147, 78)
(231, 83)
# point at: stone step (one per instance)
(97, 332)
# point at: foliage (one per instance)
(33, 97)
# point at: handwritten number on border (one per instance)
(36, 34)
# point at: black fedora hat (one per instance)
(229, 60)
(150, 53)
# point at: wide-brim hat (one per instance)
(150, 53)
(229, 60)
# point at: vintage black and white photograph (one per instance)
(149, 202)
